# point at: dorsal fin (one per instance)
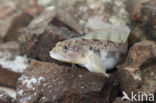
(119, 35)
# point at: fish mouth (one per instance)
(60, 58)
(53, 55)
(56, 56)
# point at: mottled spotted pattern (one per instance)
(97, 46)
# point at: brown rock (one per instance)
(57, 21)
(12, 17)
(37, 41)
(8, 78)
(42, 34)
(138, 72)
(143, 22)
(65, 19)
(110, 90)
(8, 12)
(21, 20)
(118, 100)
(50, 82)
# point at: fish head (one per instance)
(68, 51)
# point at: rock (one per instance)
(143, 22)
(80, 14)
(11, 19)
(21, 20)
(118, 100)
(105, 11)
(45, 17)
(8, 78)
(57, 18)
(110, 90)
(43, 33)
(50, 82)
(58, 22)
(5, 98)
(138, 73)
(36, 42)
(10, 58)
(8, 12)
(10, 47)
(64, 18)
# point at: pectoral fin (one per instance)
(97, 64)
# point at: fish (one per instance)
(97, 51)
(96, 55)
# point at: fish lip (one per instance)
(53, 56)
(50, 52)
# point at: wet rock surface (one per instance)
(139, 68)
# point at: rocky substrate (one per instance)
(29, 75)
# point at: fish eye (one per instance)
(65, 47)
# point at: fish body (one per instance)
(96, 55)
